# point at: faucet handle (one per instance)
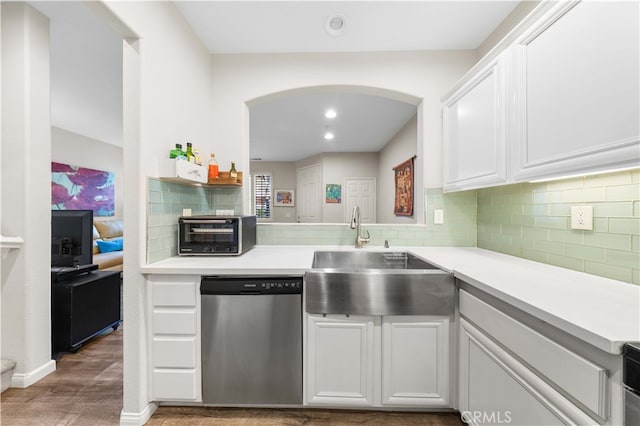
(368, 235)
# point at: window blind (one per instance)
(262, 195)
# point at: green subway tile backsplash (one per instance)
(624, 225)
(459, 228)
(610, 250)
(529, 220)
(605, 270)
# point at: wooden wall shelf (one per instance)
(224, 180)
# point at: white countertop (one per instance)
(600, 311)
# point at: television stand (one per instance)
(82, 307)
(61, 273)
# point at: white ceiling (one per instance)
(299, 26)
(293, 128)
(86, 68)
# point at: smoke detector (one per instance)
(335, 24)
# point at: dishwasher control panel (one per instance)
(228, 284)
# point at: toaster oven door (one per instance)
(209, 236)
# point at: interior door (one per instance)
(309, 196)
(361, 192)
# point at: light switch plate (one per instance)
(438, 216)
(186, 212)
(582, 217)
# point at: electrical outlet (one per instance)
(582, 217)
(438, 216)
(186, 212)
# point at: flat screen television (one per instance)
(71, 237)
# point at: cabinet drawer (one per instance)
(174, 352)
(174, 321)
(174, 294)
(583, 380)
(175, 385)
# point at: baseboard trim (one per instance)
(24, 380)
(137, 419)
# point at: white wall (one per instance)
(175, 82)
(26, 192)
(78, 150)
(400, 148)
(238, 79)
(167, 88)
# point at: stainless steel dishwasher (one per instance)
(251, 340)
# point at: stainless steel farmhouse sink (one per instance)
(377, 283)
(354, 260)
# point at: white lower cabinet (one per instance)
(511, 374)
(365, 361)
(340, 360)
(496, 388)
(415, 360)
(174, 346)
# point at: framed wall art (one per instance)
(333, 194)
(285, 198)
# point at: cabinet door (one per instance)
(174, 342)
(578, 102)
(340, 361)
(474, 131)
(415, 360)
(495, 388)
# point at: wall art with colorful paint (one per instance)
(333, 194)
(81, 188)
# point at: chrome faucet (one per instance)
(355, 224)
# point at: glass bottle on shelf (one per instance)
(176, 152)
(233, 173)
(190, 156)
(196, 156)
(213, 167)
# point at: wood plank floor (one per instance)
(86, 390)
(166, 416)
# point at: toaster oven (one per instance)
(216, 235)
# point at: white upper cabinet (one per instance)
(562, 98)
(577, 100)
(474, 131)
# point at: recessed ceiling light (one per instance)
(331, 113)
(335, 24)
(328, 136)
